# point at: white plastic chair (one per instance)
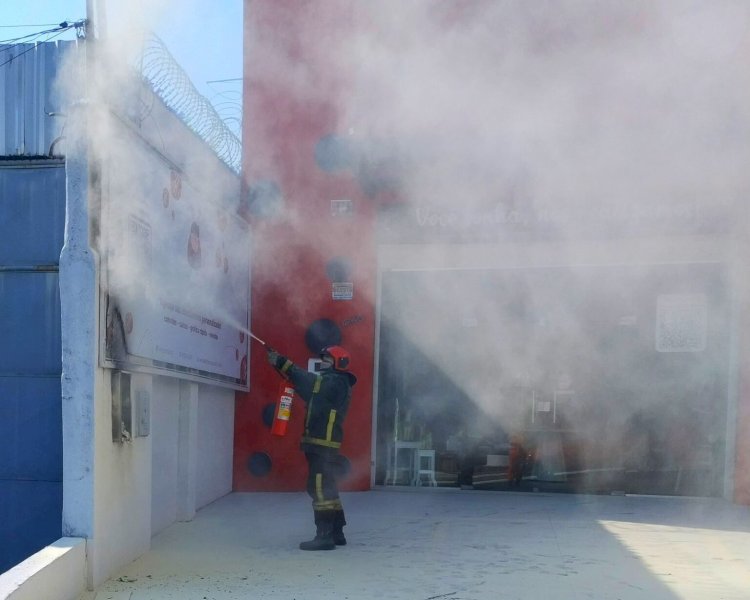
(425, 467)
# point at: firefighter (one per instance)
(326, 395)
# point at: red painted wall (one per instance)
(295, 75)
(291, 89)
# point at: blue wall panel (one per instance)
(30, 340)
(30, 518)
(32, 214)
(32, 218)
(30, 429)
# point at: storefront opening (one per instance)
(588, 379)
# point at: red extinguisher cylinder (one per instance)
(283, 409)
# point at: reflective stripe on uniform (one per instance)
(327, 505)
(316, 389)
(331, 421)
(320, 498)
(319, 442)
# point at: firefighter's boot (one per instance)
(323, 539)
(338, 528)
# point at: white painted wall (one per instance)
(215, 444)
(192, 429)
(144, 485)
(164, 434)
(55, 572)
(116, 495)
(122, 489)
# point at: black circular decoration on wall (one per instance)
(338, 269)
(269, 411)
(335, 153)
(259, 464)
(322, 333)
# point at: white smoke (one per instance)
(585, 120)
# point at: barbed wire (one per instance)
(170, 82)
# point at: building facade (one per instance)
(540, 277)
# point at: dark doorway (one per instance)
(595, 379)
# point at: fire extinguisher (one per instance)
(283, 409)
(283, 401)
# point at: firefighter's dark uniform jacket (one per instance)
(327, 395)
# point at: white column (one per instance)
(186, 450)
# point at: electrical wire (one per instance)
(31, 37)
(63, 26)
(31, 47)
(30, 25)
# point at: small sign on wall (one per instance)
(314, 365)
(342, 208)
(342, 291)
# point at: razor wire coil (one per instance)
(173, 86)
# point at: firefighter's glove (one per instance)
(273, 357)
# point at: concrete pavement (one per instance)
(429, 544)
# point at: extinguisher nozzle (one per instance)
(257, 339)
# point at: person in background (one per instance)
(516, 459)
(327, 395)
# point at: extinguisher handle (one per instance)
(273, 357)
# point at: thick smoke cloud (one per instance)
(582, 100)
(580, 123)
(584, 122)
(174, 255)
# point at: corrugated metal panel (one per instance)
(32, 213)
(32, 218)
(30, 517)
(30, 338)
(30, 418)
(27, 95)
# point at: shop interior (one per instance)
(585, 380)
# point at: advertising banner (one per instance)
(177, 267)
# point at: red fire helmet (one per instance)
(340, 357)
